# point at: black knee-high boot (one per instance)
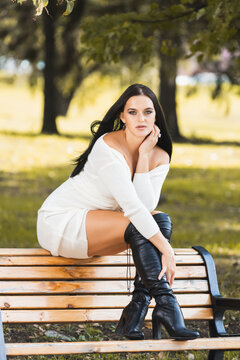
(133, 315)
(167, 311)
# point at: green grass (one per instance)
(201, 193)
(205, 211)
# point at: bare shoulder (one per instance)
(159, 157)
(113, 139)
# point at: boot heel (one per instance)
(156, 329)
(120, 327)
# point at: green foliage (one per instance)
(106, 38)
(41, 4)
(208, 26)
(221, 31)
(69, 8)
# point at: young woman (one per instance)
(109, 201)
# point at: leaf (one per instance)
(69, 8)
(200, 13)
(200, 58)
(21, 1)
(175, 10)
(154, 7)
(41, 4)
(39, 9)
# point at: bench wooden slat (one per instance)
(80, 287)
(36, 287)
(121, 346)
(82, 315)
(43, 252)
(88, 301)
(103, 260)
(73, 272)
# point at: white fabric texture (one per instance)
(104, 183)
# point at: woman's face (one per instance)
(139, 115)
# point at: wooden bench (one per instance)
(38, 288)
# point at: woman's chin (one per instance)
(141, 134)
(142, 131)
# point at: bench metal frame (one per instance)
(219, 304)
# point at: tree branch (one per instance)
(170, 18)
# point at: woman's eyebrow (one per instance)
(148, 108)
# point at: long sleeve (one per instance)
(148, 185)
(118, 181)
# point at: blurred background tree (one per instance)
(69, 48)
(172, 31)
(52, 45)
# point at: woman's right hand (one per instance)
(167, 258)
(168, 266)
(150, 141)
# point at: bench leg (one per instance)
(2, 342)
(216, 355)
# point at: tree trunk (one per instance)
(50, 111)
(168, 73)
(63, 102)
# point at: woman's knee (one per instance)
(164, 222)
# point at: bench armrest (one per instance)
(220, 305)
(226, 303)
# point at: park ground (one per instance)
(201, 193)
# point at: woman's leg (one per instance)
(133, 315)
(147, 260)
(105, 232)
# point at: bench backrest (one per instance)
(36, 287)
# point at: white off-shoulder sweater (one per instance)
(105, 183)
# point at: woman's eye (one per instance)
(132, 112)
(148, 112)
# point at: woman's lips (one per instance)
(141, 127)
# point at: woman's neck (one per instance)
(132, 142)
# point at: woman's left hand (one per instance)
(150, 141)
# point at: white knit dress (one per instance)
(104, 184)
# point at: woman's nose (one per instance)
(141, 117)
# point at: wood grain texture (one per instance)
(43, 252)
(73, 315)
(122, 346)
(86, 272)
(88, 301)
(97, 287)
(181, 259)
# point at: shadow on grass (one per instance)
(84, 136)
(87, 136)
(204, 141)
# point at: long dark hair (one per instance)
(112, 122)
